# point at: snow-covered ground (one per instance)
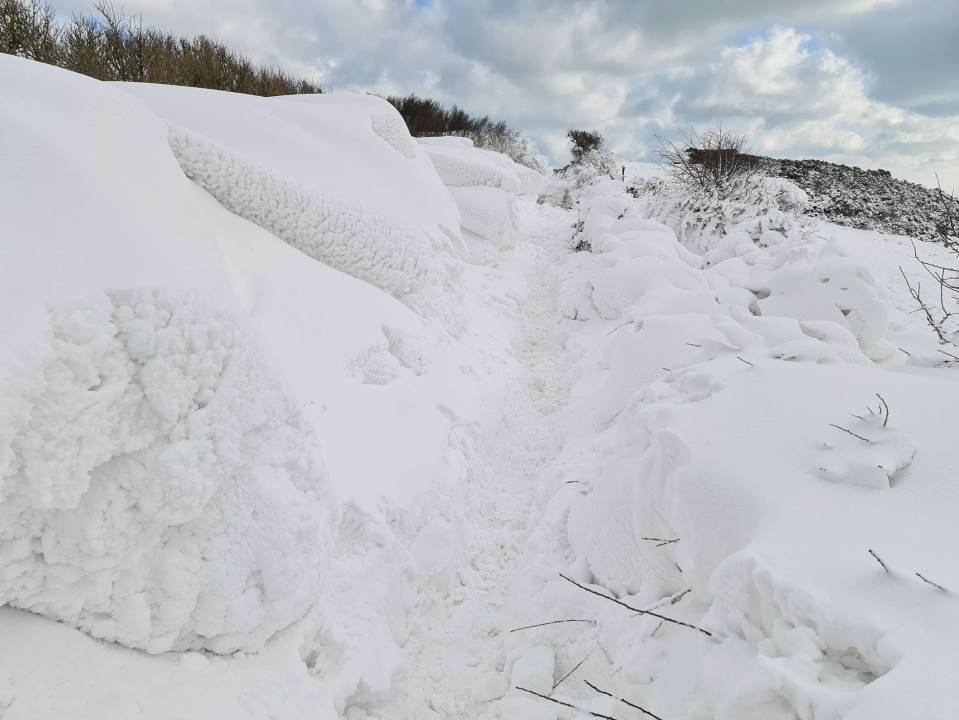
(303, 418)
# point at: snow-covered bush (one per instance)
(590, 156)
(706, 222)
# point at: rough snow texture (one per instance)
(394, 132)
(158, 486)
(459, 164)
(488, 212)
(392, 257)
(484, 185)
(867, 199)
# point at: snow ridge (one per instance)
(389, 256)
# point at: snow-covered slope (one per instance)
(280, 416)
(298, 167)
(159, 485)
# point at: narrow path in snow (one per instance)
(456, 655)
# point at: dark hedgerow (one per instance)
(107, 45)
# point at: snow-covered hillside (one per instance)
(303, 418)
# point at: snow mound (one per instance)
(159, 488)
(459, 164)
(391, 257)
(484, 185)
(488, 212)
(268, 160)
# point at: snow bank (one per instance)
(336, 176)
(484, 185)
(159, 487)
(737, 439)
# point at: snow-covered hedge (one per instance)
(158, 484)
(303, 168)
(484, 185)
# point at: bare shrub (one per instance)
(107, 45)
(941, 306)
(714, 161)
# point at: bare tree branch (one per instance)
(619, 602)
(624, 701)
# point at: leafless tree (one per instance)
(715, 160)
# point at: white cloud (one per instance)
(630, 68)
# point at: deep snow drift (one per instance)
(325, 412)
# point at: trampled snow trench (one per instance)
(458, 663)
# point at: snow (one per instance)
(320, 429)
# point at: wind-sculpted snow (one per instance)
(459, 164)
(484, 185)
(393, 130)
(728, 430)
(392, 257)
(159, 488)
(487, 212)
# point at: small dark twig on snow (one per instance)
(885, 405)
(624, 701)
(576, 667)
(619, 602)
(551, 622)
(850, 432)
(879, 560)
(742, 359)
(566, 704)
(930, 582)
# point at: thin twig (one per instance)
(745, 361)
(879, 560)
(927, 580)
(566, 704)
(954, 357)
(667, 542)
(886, 406)
(628, 322)
(551, 622)
(694, 345)
(635, 609)
(624, 701)
(676, 598)
(850, 432)
(575, 668)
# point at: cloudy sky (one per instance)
(873, 83)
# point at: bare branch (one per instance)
(930, 582)
(576, 667)
(879, 560)
(619, 602)
(551, 622)
(850, 432)
(885, 420)
(566, 704)
(624, 701)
